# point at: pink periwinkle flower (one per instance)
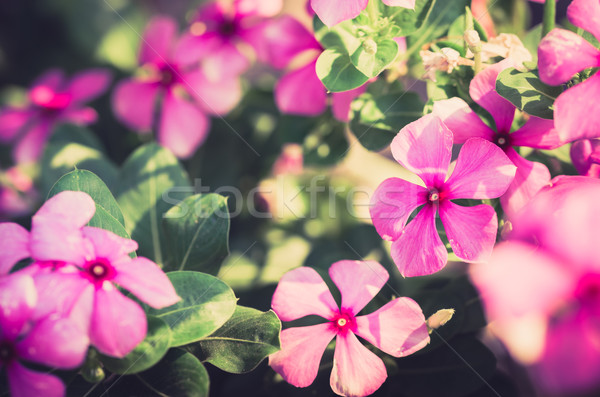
(562, 54)
(77, 268)
(52, 99)
(186, 93)
(332, 12)
(398, 328)
(535, 133)
(482, 171)
(18, 195)
(585, 155)
(541, 289)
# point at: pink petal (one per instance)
(110, 246)
(55, 342)
(419, 250)
(341, 101)
(216, 97)
(536, 133)
(581, 152)
(301, 351)
(183, 126)
(577, 111)
(358, 282)
(118, 323)
(562, 54)
(392, 203)
(301, 92)
(133, 103)
(424, 147)
(225, 61)
(52, 79)
(398, 328)
(259, 7)
(471, 231)
(332, 12)
(190, 49)
(482, 171)
(585, 14)
(356, 370)
(157, 40)
(55, 230)
(14, 246)
(302, 292)
(147, 282)
(18, 298)
(31, 146)
(483, 91)
(24, 382)
(88, 84)
(462, 121)
(12, 122)
(82, 116)
(530, 178)
(401, 3)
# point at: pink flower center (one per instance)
(227, 28)
(343, 322)
(100, 270)
(434, 195)
(588, 290)
(49, 100)
(168, 76)
(7, 352)
(503, 140)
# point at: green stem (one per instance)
(478, 64)
(373, 12)
(549, 16)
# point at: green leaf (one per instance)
(342, 36)
(197, 233)
(108, 215)
(336, 71)
(377, 119)
(177, 374)
(409, 21)
(151, 182)
(150, 351)
(526, 91)
(206, 304)
(372, 57)
(242, 342)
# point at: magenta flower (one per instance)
(585, 155)
(184, 90)
(52, 99)
(561, 55)
(541, 289)
(54, 342)
(18, 195)
(536, 133)
(398, 328)
(482, 171)
(332, 12)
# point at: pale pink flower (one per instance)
(332, 12)
(585, 155)
(398, 328)
(482, 171)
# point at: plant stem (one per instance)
(549, 16)
(373, 12)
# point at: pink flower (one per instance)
(482, 171)
(56, 343)
(541, 289)
(536, 133)
(18, 196)
(186, 93)
(585, 155)
(561, 54)
(52, 99)
(398, 328)
(76, 269)
(332, 12)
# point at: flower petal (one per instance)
(31, 146)
(581, 156)
(536, 133)
(425, 147)
(398, 328)
(301, 92)
(24, 382)
(133, 103)
(332, 12)
(585, 14)
(147, 282)
(341, 101)
(157, 40)
(226, 61)
(81, 116)
(471, 231)
(110, 246)
(183, 126)
(356, 370)
(483, 91)
(419, 250)
(12, 122)
(14, 246)
(392, 203)
(482, 171)
(462, 121)
(301, 351)
(18, 298)
(358, 282)
(401, 3)
(562, 53)
(216, 97)
(118, 323)
(89, 84)
(577, 111)
(52, 78)
(302, 292)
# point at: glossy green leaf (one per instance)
(206, 304)
(527, 92)
(343, 36)
(409, 21)
(372, 57)
(242, 342)
(197, 233)
(336, 71)
(152, 181)
(150, 351)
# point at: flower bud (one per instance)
(370, 46)
(472, 38)
(439, 318)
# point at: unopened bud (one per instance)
(439, 318)
(473, 41)
(370, 46)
